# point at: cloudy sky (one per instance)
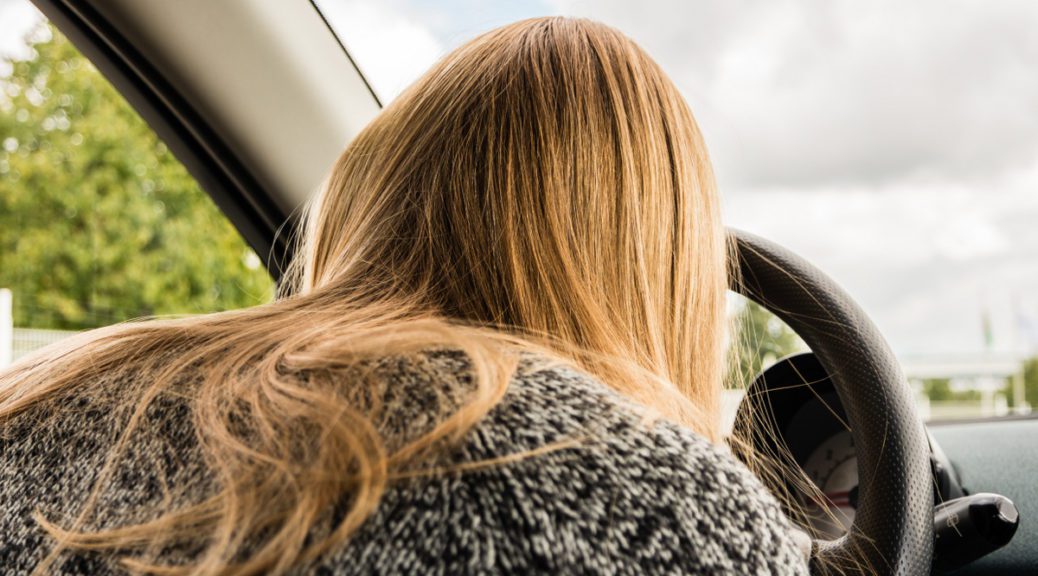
(17, 17)
(895, 144)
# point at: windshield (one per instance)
(895, 145)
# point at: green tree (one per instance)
(940, 390)
(1030, 382)
(761, 338)
(98, 221)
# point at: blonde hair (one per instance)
(543, 187)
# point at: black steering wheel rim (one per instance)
(892, 531)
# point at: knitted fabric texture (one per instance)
(629, 498)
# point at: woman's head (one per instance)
(545, 177)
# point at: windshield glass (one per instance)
(895, 145)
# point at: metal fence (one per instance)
(17, 342)
(26, 340)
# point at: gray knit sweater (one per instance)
(635, 499)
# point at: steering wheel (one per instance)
(893, 531)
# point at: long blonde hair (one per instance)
(543, 187)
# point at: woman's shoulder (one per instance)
(53, 453)
(561, 475)
(582, 481)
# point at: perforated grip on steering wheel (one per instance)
(893, 527)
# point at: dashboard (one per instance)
(999, 455)
(792, 415)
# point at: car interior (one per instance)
(258, 98)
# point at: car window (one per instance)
(893, 145)
(99, 223)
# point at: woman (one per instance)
(500, 351)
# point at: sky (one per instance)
(894, 144)
(17, 18)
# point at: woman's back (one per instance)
(579, 484)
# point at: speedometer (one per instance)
(792, 411)
(833, 467)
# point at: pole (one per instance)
(6, 328)
(1019, 402)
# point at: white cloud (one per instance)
(803, 93)
(391, 47)
(926, 258)
(17, 19)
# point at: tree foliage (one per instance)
(940, 390)
(98, 221)
(761, 339)
(1030, 382)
